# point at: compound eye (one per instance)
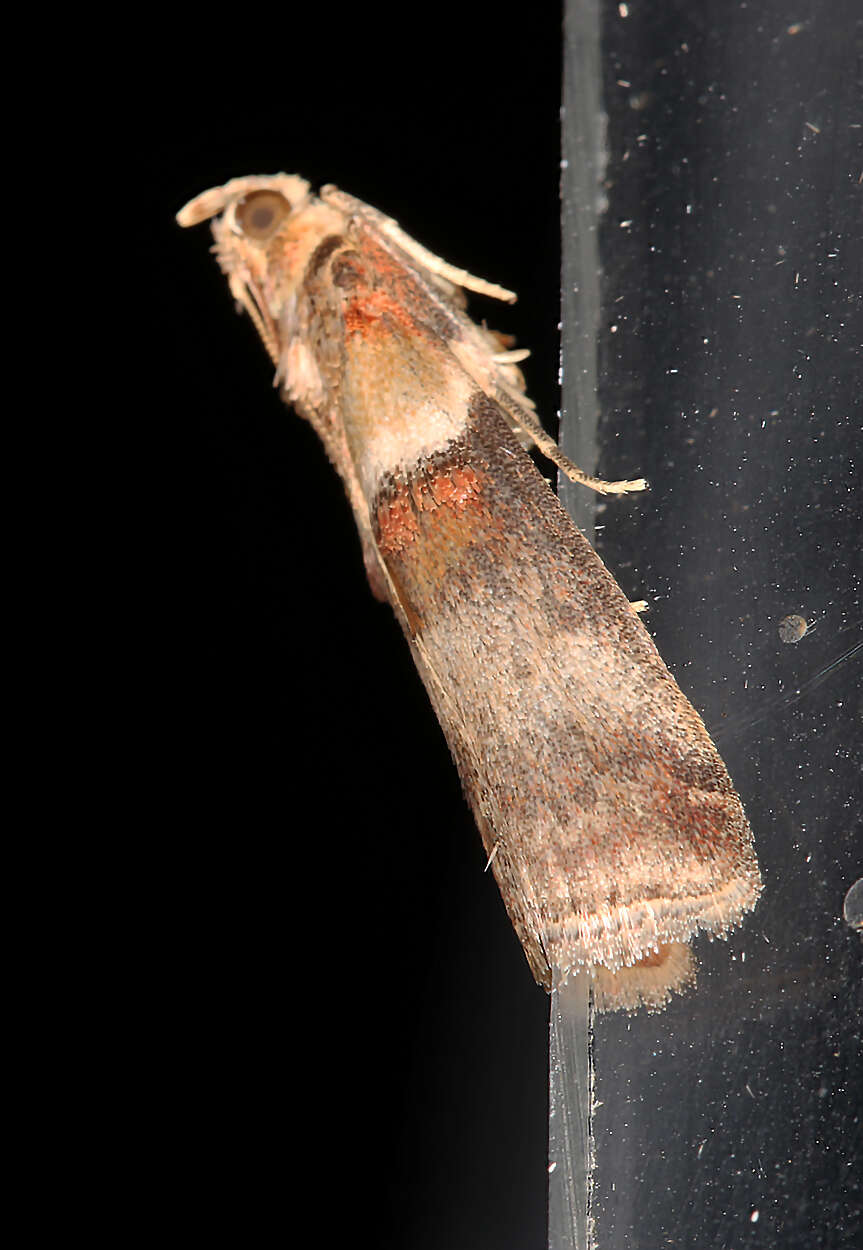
(260, 214)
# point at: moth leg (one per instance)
(523, 420)
(549, 448)
(512, 357)
(434, 264)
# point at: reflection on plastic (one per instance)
(853, 907)
(711, 262)
(570, 1089)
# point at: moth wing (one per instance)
(614, 830)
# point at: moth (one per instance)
(607, 816)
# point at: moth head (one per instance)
(250, 216)
(226, 199)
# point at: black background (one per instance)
(340, 1024)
